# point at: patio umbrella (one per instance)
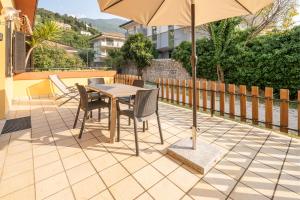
(183, 13)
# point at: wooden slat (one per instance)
(232, 101)
(299, 113)
(172, 90)
(198, 94)
(178, 91)
(167, 90)
(243, 102)
(190, 93)
(284, 110)
(183, 89)
(162, 88)
(269, 107)
(212, 97)
(222, 98)
(204, 94)
(255, 103)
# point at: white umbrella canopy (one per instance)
(178, 12)
(183, 13)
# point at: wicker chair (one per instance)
(145, 107)
(88, 106)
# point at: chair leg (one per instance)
(118, 127)
(83, 123)
(136, 137)
(147, 125)
(76, 118)
(129, 121)
(144, 126)
(109, 113)
(159, 127)
(99, 114)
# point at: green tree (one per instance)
(115, 59)
(138, 49)
(47, 31)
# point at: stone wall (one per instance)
(160, 68)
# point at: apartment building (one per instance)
(165, 38)
(102, 43)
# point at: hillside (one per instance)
(105, 25)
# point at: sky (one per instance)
(90, 8)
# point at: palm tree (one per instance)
(47, 31)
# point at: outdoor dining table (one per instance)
(114, 91)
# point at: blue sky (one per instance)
(87, 8)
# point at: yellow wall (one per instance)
(43, 87)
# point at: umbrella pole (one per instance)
(194, 73)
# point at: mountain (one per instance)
(105, 25)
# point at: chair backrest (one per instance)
(96, 81)
(83, 96)
(138, 83)
(146, 102)
(58, 83)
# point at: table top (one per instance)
(115, 90)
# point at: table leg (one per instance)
(113, 115)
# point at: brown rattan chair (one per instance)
(145, 106)
(86, 105)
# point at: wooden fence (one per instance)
(214, 96)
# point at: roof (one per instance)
(67, 48)
(113, 35)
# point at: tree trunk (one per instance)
(220, 73)
(28, 56)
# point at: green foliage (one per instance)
(270, 60)
(48, 58)
(115, 59)
(138, 49)
(87, 55)
(74, 39)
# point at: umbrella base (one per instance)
(202, 159)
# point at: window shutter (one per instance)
(19, 53)
(8, 50)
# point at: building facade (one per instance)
(103, 43)
(164, 38)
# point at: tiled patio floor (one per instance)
(49, 162)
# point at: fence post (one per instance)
(162, 89)
(167, 90)
(232, 101)
(183, 88)
(212, 97)
(299, 113)
(255, 102)
(269, 107)
(198, 94)
(243, 102)
(204, 94)
(284, 110)
(222, 98)
(178, 91)
(190, 93)
(172, 90)
(158, 84)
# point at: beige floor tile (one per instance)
(148, 176)
(265, 171)
(203, 191)
(19, 148)
(150, 154)
(45, 159)
(165, 165)
(258, 183)
(282, 193)
(69, 151)
(166, 190)
(19, 157)
(133, 163)
(65, 194)
(17, 168)
(74, 160)
(230, 169)
(241, 191)
(290, 182)
(49, 170)
(113, 174)
(27, 193)
(105, 195)
(238, 159)
(51, 186)
(104, 162)
(126, 189)
(144, 196)
(88, 187)
(220, 181)
(80, 172)
(181, 174)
